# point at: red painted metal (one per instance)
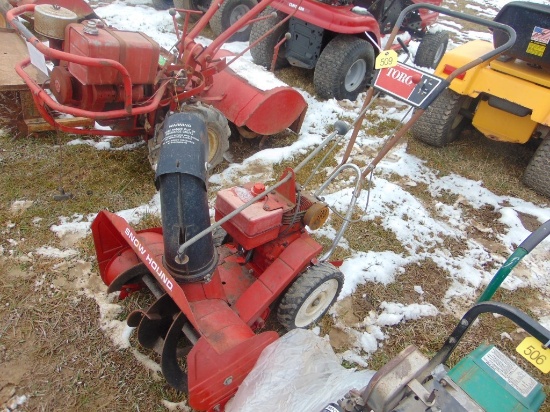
(137, 52)
(110, 59)
(233, 303)
(42, 96)
(276, 278)
(264, 112)
(339, 19)
(228, 347)
(252, 227)
(108, 225)
(214, 378)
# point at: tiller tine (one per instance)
(266, 112)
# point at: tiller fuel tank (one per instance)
(210, 300)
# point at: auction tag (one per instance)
(534, 351)
(38, 60)
(386, 58)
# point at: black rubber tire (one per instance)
(5, 6)
(198, 5)
(431, 49)
(537, 172)
(218, 135)
(229, 12)
(322, 281)
(262, 53)
(344, 68)
(162, 4)
(442, 122)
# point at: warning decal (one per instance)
(516, 377)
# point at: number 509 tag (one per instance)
(532, 350)
(386, 58)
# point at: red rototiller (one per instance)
(124, 80)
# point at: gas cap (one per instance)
(50, 20)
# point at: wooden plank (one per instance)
(40, 125)
(13, 50)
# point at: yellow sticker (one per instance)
(386, 58)
(532, 350)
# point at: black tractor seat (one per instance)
(531, 21)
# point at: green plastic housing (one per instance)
(496, 383)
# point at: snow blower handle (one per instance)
(523, 249)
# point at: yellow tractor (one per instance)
(506, 99)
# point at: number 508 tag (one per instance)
(532, 350)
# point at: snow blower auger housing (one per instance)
(124, 80)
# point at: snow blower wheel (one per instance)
(310, 296)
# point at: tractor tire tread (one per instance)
(296, 294)
(428, 53)
(220, 21)
(262, 53)
(331, 68)
(187, 5)
(537, 172)
(435, 126)
(214, 120)
(162, 4)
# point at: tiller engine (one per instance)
(211, 296)
(124, 80)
